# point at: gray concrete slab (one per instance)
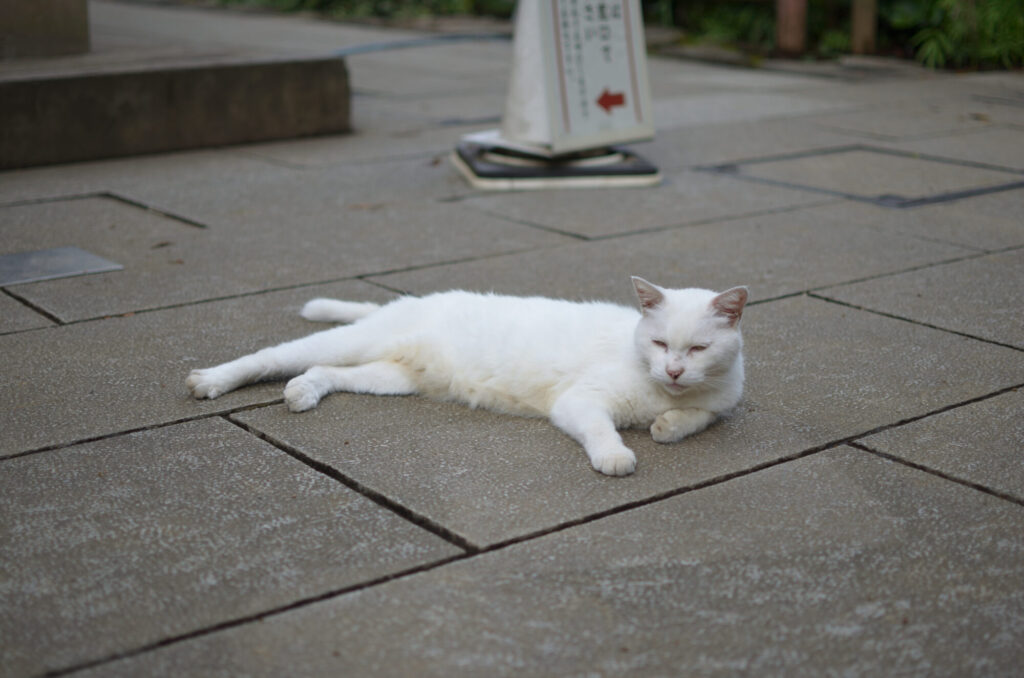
(71, 383)
(168, 262)
(841, 564)
(490, 478)
(123, 542)
(980, 443)
(683, 198)
(1003, 146)
(908, 122)
(717, 107)
(715, 144)
(16, 316)
(775, 254)
(870, 174)
(849, 371)
(982, 296)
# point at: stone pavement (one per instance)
(861, 514)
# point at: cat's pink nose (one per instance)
(675, 374)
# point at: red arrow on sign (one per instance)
(608, 101)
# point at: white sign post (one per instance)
(578, 85)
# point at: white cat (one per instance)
(590, 367)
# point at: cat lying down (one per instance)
(592, 368)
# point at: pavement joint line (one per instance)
(34, 307)
(156, 210)
(139, 429)
(734, 169)
(769, 211)
(920, 323)
(941, 474)
(258, 616)
(375, 496)
(104, 194)
(531, 224)
(973, 254)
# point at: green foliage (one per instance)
(963, 33)
(391, 9)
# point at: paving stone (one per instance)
(850, 371)
(870, 174)
(981, 443)
(984, 222)
(683, 198)
(71, 383)
(123, 542)
(703, 109)
(1003, 146)
(491, 477)
(715, 144)
(169, 262)
(15, 316)
(921, 120)
(774, 254)
(839, 564)
(982, 297)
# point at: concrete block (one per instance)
(170, 262)
(981, 297)
(43, 28)
(980, 443)
(16, 317)
(151, 109)
(792, 571)
(126, 541)
(774, 254)
(129, 372)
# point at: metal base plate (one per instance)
(59, 262)
(501, 169)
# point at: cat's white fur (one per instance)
(591, 368)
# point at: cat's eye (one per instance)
(698, 348)
(660, 344)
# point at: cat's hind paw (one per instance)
(206, 384)
(300, 394)
(618, 462)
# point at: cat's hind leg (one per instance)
(379, 378)
(337, 346)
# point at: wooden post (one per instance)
(864, 26)
(791, 26)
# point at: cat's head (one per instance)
(688, 338)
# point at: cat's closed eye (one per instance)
(660, 344)
(697, 348)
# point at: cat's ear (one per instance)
(648, 294)
(729, 304)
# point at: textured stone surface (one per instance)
(683, 198)
(169, 262)
(119, 543)
(981, 443)
(490, 477)
(982, 296)
(774, 254)
(15, 316)
(838, 564)
(920, 120)
(871, 174)
(66, 384)
(849, 371)
(1002, 146)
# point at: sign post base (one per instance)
(489, 163)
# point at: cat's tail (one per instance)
(336, 311)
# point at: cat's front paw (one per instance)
(674, 425)
(207, 383)
(300, 394)
(619, 461)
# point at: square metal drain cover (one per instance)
(58, 262)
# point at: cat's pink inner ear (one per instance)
(730, 303)
(649, 295)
